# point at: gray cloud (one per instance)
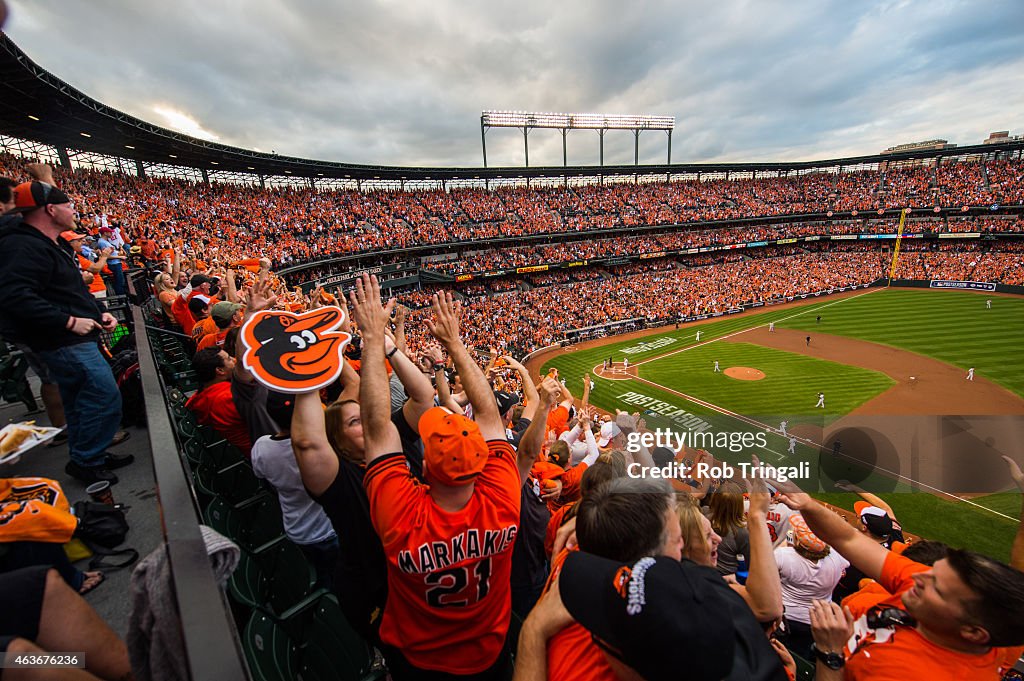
(401, 82)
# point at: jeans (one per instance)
(92, 401)
(120, 286)
(324, 557)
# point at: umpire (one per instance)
(47, 306)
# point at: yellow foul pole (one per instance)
(899, 239)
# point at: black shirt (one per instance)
(361, 581)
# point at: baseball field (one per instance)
(900, 418)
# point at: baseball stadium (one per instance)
(327, 420)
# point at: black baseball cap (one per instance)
(505, 401)
(198, 280)
(667, 619)
(31, 195)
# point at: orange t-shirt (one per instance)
(870, 595)
(214, 407)
(449, 591)
(96, 285)
(182, 315)
(572, 653)
(558, 420)
(570, 487)
(204, 327)
(556, 522)
(907, 650)
(212, 340)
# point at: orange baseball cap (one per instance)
(802, 535)
(71, 235)
(454, 451)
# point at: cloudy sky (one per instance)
(403, 82)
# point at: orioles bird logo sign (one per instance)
(295, 353)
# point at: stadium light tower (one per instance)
(527, 120)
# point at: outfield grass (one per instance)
(951, 326)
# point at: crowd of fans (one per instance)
(438, 488)
(220, 224)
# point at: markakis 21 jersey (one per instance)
(449, 594)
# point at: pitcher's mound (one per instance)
(744, 373)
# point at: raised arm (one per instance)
(417, 386)
(1017, 552)
(318, 464)
(532, 441)
(872, 499)
(445, 328)
(585, 402)
(530, 395)
(400, 313)
(854, 546)
(379, 433)
(261, 297)
(763, 587)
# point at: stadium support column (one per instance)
(483, 139)
(636, 146)
(526, 144)
(600, 134)
(140, 170)
(65, 160)
(565, 156)
(206, 176)
(262, 183)
(669, 147)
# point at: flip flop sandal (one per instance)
(120, 437)
(99, 578)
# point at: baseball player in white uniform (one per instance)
(782, 428)
(716, 367)
(970, 374)
(625, 363)
(821, 401)
(988, 304)
(792, 445)
(771, 327)
(698, 335)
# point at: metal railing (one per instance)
(211, 640)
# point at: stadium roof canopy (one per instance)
(36, 105)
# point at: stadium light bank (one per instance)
(527, 120)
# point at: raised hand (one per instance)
(367, 312)
(261, 296)
(445, 324)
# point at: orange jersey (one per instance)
(558, 420)
(212, 340)
(449, 591)
(96, 285)
(909, 650)
(572, 653)
(204, 327)
(570, 487)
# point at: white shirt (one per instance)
(304, 520)
(804, 580)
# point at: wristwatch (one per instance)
(834, 661)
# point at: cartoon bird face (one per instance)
(292, 352)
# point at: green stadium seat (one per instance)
(236, 483)
(269, 651)
(332, 649)
(278, 581)
(254, 525)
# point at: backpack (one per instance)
(102, 527)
